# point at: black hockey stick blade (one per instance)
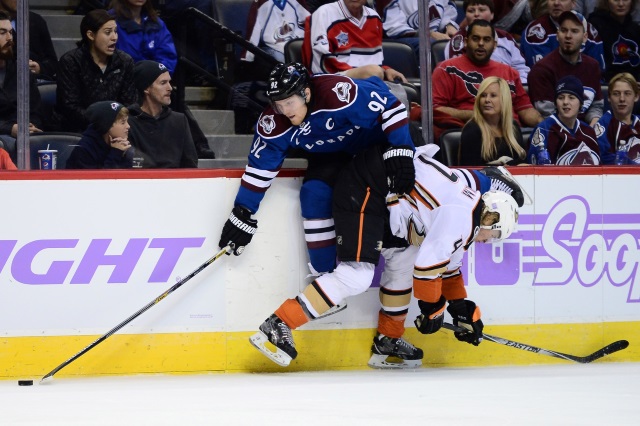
(607, 350)
(155, 301)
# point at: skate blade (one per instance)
(383, 362)
(527, 198)
(259, 340)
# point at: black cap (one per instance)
(103, 114)
(146, 72)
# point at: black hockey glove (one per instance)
(504, 182)
(401, 173)
(432, 316)
(466, 314)
(238, 230)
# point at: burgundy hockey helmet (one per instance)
(287, 80)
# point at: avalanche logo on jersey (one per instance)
(581, 156)
(343, 92)
(342, 39)
(599, 129)
(537, 32)
(284, 32)
(625, 51)
(633, 151)
(457, 43)
(413, 20)
(268, 123)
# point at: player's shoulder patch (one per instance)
(332, 91)
(271, 125)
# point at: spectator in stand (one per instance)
(142, 34)
(506, 51)
(458, 79)
(105, 143)
(43, 61)
(145, 36)
(9, 92)
(346, 37)
(5, 161)
(272, 23)
(492, 137)
(94, 71)
(401, 21)
(568, 141)
(540, 37)
(619, 123)
(620, 36)
(160, 136)
(566, 60)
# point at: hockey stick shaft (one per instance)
(137, 314)
(609, 349)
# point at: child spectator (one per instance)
(94, 71)
(492, 137)
(105, 144)
(568, 141)
(619, 124)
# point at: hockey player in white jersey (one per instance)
(424, 234)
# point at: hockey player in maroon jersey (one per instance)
(568, 141)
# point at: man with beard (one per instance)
(567, 60)
(9, 92)
(458, 78)
(540, 36)
(43, 61)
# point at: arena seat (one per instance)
(293, 50)
(47, 101)
(400, 57)
(450, 145)
(63, 142)
(438, 48)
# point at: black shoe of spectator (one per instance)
(205, 152)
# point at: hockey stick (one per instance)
(609, 349)
(137, 314)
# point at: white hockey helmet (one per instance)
(502, 203)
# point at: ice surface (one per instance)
(573, 394)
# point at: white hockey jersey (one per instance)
(401, 16)
(272, 23)
(339, 41)
(437, 216)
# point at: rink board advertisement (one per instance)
(79, 253)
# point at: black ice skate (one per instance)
(274, 330)
(384, 347)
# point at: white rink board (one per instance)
(574, 258)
